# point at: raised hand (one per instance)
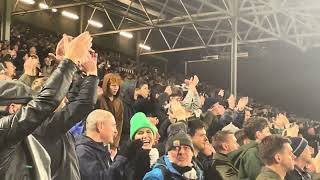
(78, 49)
(221, 93)
(242, 103)
(30, 66)
(232, 101)
(60, 49)
(168, 90)
(89, 64)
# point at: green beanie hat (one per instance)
(138, 121)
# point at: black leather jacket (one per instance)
(53, 133)
(15, 128)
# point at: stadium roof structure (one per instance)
(210, 25)
(205, 24)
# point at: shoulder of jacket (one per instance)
(155, 173)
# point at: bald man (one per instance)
(94, 158)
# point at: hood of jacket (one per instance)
(86, 141)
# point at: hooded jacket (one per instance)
(21, 155)
(247, 161)
(115, 107)
(225, 167)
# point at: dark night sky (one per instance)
(279, 75)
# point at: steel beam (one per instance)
(56, 7)
(210, 46)
(234, 47)
(5, 20)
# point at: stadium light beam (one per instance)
(95, 23)
(28, 1)
(145, 47)
(43, 6)
(70, 15)
(126, 34)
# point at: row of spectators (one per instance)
(127, 126)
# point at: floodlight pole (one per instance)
(6, 20)
(234, 48)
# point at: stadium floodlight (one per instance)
(69, 15)
(126, 34)
(43, 6)
(214, 57)
(243, 55)
(54, 10)
(28, 1)
(95, 23)
(145, 47)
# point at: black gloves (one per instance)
(130, 149)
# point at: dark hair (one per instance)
(176, 91)
(240, 136)
(270, 146)
(194, 125)
(219, 138)
(254, 125)
(140, 83)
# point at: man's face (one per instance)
(146, 136)
(287, 157)
(247, 115)
(305, 156)
(199, 139)
(11, 69)
(181, 156)
(218, 109)
(231, 143)
(108, 130)
(33, 51)
(114, 88)
(262, 134)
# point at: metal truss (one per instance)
(184, 25)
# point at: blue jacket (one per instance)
(158, 174)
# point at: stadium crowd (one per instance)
(71, 111)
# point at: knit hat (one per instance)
(181, 138)
(138, 121)
(298, 144)
(173, 129)
(14, 92)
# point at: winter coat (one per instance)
(128, 112)
(298, 174)
(268, 174)
(115, 107)
(21, 155)
(53, 133)
(94, 159)
(247, 161)
(191, 101)
(164, 170)
(225, 167)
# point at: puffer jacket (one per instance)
(19, 151)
